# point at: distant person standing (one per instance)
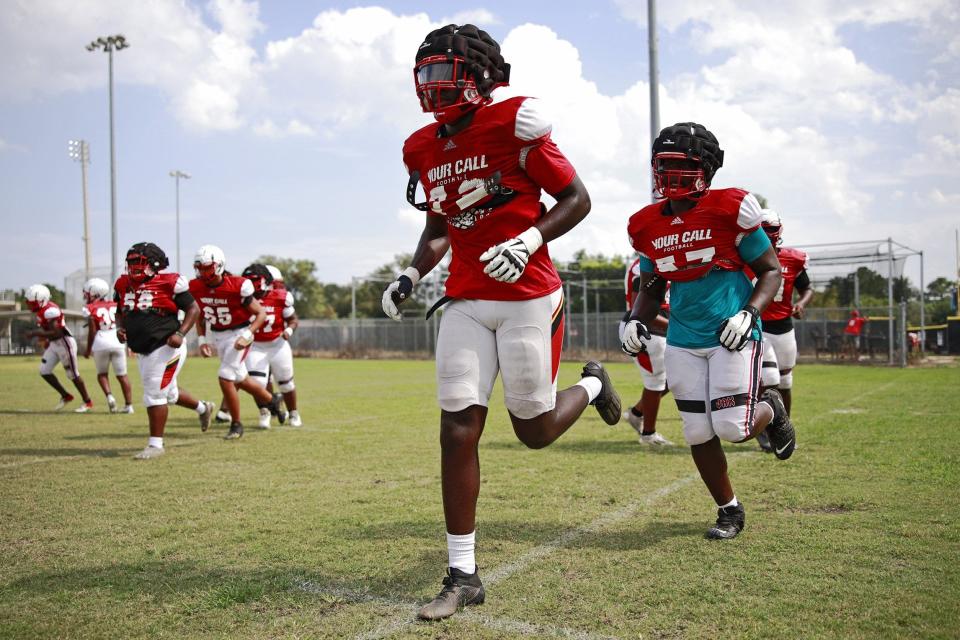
(852, 332)
(102, 342)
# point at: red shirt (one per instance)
(154, 295)
(278, 305)
(50, 317)
(855, 325)
(510, 137)
(687, 246)
(104, 314)
(223, 305)
(793, 262)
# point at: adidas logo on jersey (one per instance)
(449, 145)
(676, 220)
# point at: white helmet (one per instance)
(95, 289)
(207, 255)
(772, 225)
(37, 295)
(277, 276)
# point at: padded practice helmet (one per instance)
(95, 289)
(772, 225)
(261, 278)
(685, 141)
(36, 296)
(277, 276)
(456, 70)
(209, 263)
(145, 260)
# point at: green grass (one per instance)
(336, 530)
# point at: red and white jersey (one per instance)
(104, 316)
(633, 275)
(50, 317)
(278, 305)
(508, 137)
(222, 306)
(152, 296)
(687, 246)
(793, 262)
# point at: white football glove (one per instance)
(243, 340)
(735, 331)
(507, 260)
(633, 340)
(398, 291)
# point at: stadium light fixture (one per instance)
(177, 175)
(109, 44)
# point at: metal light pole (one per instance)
(176, 174)
(654, 76)
(79, 150)
(108, 44)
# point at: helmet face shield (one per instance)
(208, 274)
(139, 268)
(445, 87)
(677, 176)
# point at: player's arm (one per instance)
(755, 249)
(121, 317)
(91, 334)
(803, 285)
(645, 311)
(253, 306)
(191, 311)
(205, 349)
(767, 269)
(431, 248)
(290, 318)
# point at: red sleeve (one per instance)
(548, 167)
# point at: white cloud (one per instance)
(480, 17)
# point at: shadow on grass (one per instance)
(65, 453)
(29, 412)
(615, 447)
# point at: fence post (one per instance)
(903, 333)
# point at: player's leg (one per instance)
(205, 410)
(68, 357)
(101, 361)
(281, 365)
(466, 370)
(118, 360)
(529, 338)
(48, 361)
(158, 371)
(654, 388)
(769, 379)
(258, 368)
(785, 346)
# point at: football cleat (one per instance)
(64, 401)
(730, 521)
(295, 420)
(126, 409)
(264, 421)
(764, 441)
(654, 440)
(607, 402)
(783, 437)
(84, 408)
(149, 453)
(236, 431)
(634, 420)
(207, 416)
(459, 590)
(222, 417)
(112, 403)
(276, 409)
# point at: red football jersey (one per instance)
(154, 295)
(633, 272)
(222, 306)
(50, 317)
(792, 263)
(278, 305)
(508, 137)
(104, 314)
(686, 246)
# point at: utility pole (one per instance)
(176, 174)
(79, 150)
(108, 44)
(654, 77)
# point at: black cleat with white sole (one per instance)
(730, 521)
(236, 431)
(459, 590)
(608, 401)
(783, 437)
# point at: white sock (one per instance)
(592, 386)
(155, 442)
(110, 398)
(732, 503)
(460, 551)
(294, 413)
(201, 408)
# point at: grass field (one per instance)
(335, 530)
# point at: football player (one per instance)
(779, 339)
(100, 311)
(233, 315)
(483, 167)
(643, 416)
(148, 301)
(271, 353)
(61, 346)
(700, 240)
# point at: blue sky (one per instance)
(290, 117)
